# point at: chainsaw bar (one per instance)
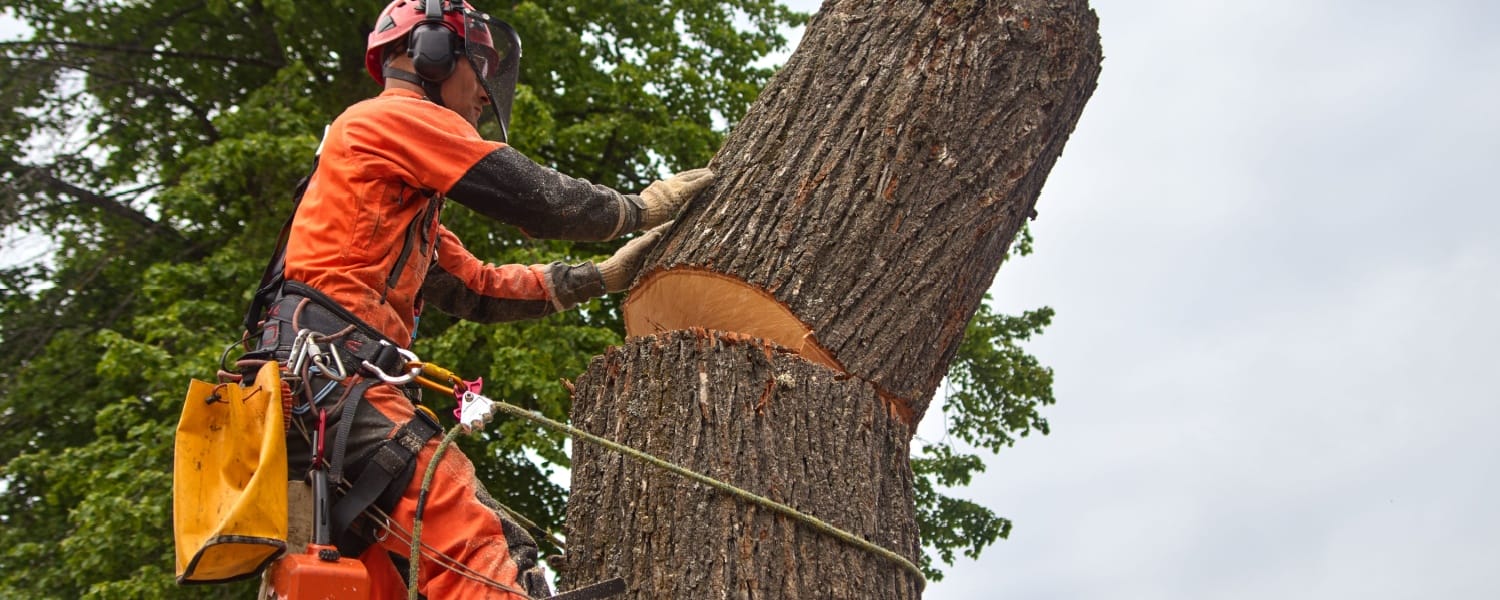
(603, 589)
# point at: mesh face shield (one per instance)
(493, 49)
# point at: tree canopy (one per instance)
(154, 147)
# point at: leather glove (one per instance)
(619, 270)
(664, 199)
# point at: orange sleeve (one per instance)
(460, 284)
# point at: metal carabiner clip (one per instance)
(411, 360)
(296, 359)
(320, 359)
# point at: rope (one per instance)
(392, 528)
(786, 511)
(416, 526)
(767, 503)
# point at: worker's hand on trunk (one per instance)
(619, 270)
(664, 199)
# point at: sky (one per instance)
(15, 249)
(1273, 250)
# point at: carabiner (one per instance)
(297, 357)
(415, 366)
(321, 362)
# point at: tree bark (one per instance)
(764, 420)
(861, 210)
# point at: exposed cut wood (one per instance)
(688, 298)
(695, 299)
(875, 186)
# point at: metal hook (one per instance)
(411, 360)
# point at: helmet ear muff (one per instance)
(432, 46)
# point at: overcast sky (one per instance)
(1272, 246)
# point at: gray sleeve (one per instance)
(507, 186)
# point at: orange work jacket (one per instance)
(367, 232)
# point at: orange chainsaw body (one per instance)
(310, 576)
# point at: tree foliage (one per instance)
(153, 146)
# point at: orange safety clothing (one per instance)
(367, 229)
(367, 236)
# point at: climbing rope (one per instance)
(416, 526)
(786, 511)
(535, 417)
(782, 509)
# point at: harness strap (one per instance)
(325, 316)
(341, 438)
(384, 477)
(272, 279)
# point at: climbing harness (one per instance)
(329, 374)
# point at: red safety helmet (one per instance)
(438, 35)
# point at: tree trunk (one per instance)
(862, 209)
(742, 411)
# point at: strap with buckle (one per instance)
(322, 315)
(384, 477)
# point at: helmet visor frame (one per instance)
(493, 49)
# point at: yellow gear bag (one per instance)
(229, 502)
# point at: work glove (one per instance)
(619, 270)
(664, 199)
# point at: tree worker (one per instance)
(365, 252)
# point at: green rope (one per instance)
(787, 511)
(416, 526)
(784, 510)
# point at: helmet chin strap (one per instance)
(433, 89)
